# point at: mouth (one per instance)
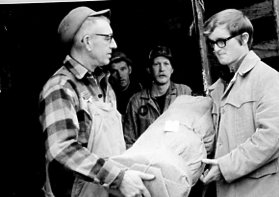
(122, 81)
(220, 54)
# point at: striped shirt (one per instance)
(66, 124)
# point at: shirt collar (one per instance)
(147, 93)
(80, 71)
(75, 67)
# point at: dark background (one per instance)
(30, 53)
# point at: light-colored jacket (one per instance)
(247, 146)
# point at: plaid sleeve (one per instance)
(58, 117)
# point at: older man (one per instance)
(79, 116)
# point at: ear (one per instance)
(148, 70)
(87, 42)
(172, 70)
(130, 69)
(244, 38)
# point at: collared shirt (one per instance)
(67, 124)
(143, 110)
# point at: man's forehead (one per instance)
(102, 25)
(219, 32)
(161, 58)
(120, 64)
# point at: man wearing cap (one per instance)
(79, 117)
(123, 84)
(146, 106)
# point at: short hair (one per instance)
(235, 20)
(87, 28)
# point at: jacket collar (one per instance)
(216, 90)
(147, 93)
(246, 66)
(248, 63)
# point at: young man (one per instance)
(146, 106)
(123, 84)
(246, 113)
(79, 116)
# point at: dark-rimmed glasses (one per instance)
(108, 37)
(221, 42)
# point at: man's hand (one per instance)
(132, 185)
(213, 174)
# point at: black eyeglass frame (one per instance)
(221, 42)
(108, 37)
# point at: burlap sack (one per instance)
(173, 146)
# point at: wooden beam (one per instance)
(267, 49)
(268, 10)
(198, 9)
(259, 10)
(276, 16)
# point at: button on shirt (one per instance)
(67, 125)
(143, 110)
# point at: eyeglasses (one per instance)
(108, 37)
(221, 42)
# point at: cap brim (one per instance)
(121, 58)
(105, 12)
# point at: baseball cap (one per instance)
(71, 23)
(117, 56)
(160, 51)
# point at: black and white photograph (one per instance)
(139, 98)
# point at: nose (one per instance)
(113, 44)
(161, 67)
(118, 74)
(215, 47)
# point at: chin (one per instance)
(123, 85)
(162, 82)
(222, 61)
(105, 62)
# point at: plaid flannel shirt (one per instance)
(67, 125)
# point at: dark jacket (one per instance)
(142, 110)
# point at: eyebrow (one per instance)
(218, 39)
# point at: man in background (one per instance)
(123, 84)
(146, 106)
